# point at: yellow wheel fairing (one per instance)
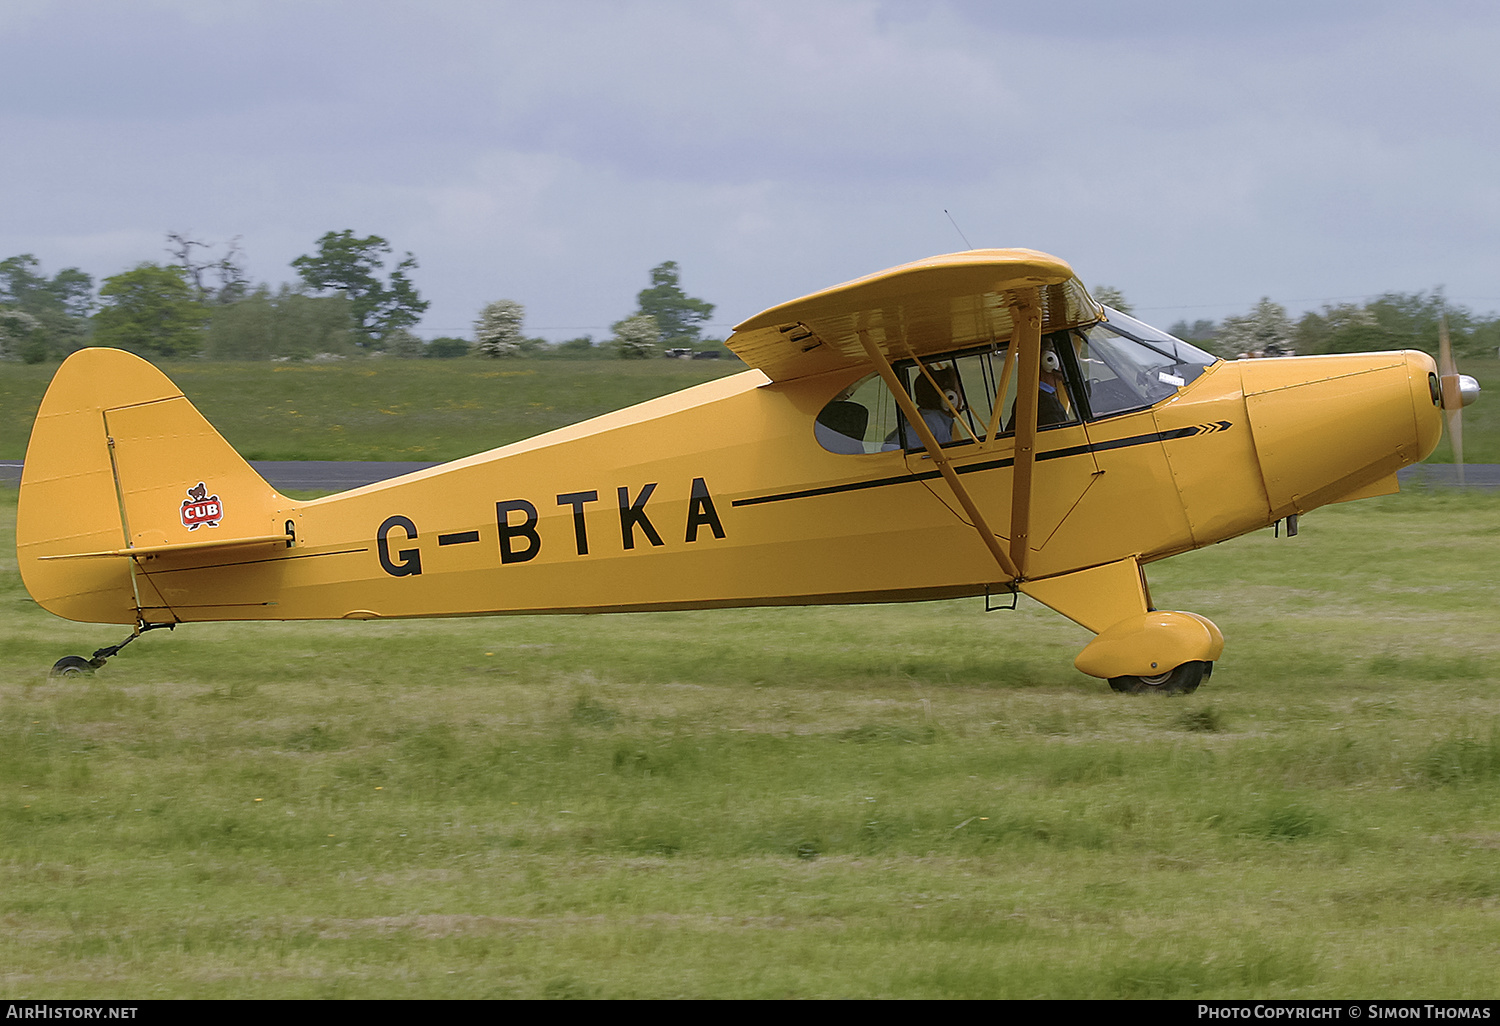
(1151, 644)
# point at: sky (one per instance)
(1196, 156)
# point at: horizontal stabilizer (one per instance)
(181, 548)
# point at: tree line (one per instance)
(1393, 320)
(352, 297)
(203, 303)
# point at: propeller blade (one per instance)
(1453, 397)
(1447, 369)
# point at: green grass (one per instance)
(895, 801)
(442, 409)
(385, 409)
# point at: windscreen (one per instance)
(1129, 365)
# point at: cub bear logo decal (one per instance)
(201, 509)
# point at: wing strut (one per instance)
(930, 443)
(1026, 314)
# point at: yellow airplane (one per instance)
(973, 424)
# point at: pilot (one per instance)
(935, 411)
(1052, 390)
(1052, 394)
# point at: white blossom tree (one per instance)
(402, 343)
(636, 337)
(16, 328)
(1266, 328)
(497, 332)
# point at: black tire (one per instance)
(1179, 680)
(72, 666)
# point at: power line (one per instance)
(561, 327)
(1366, 296)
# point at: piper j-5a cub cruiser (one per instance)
(969, 424)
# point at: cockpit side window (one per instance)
(1055, 389)
(955, 394)
(1114, 366)
(961, 397)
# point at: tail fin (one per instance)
(121, 472)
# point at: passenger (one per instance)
(934, 410)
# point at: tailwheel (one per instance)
(72, 666)
(1179, 680)
(78, 666)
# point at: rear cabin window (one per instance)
(858, 418)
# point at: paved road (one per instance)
(1445, 475)
(300, 476)
(327, 475)
(311, 475)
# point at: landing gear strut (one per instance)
(78, 666)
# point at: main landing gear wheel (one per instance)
(1179, 680)
(72, 666)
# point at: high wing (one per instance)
(935, 305)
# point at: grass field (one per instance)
(385, 409)
(897, 801)
(443, 409)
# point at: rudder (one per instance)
(114, 459)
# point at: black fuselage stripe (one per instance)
(855, 486)
(974, 468)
